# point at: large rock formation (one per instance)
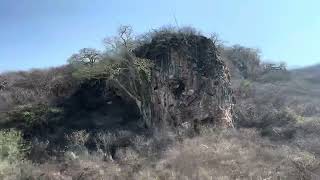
(189, 83)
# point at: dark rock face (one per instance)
(189, 83)
(99, 105)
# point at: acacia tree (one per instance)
(86, 56)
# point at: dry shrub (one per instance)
(78, 138)
(76, 144)
(36, 86)
(27, 87)
(264, 107)
(19, 171)
(308, 109)
(215, 154)
(80, 169)
(229, 155)
(104, 140)
(275, 76)
(165, 30)
(39, 151)
(308, 135)
(244, 62)
(272, 122)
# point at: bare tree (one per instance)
(86, 56)
(123, 40)
(125, 33)
(215, 39)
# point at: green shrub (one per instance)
(29, 116)
(77, 140)
(112, 67)
(245, 89)
(143, 66)
(14, 151)
(102, 70)
(12, 146)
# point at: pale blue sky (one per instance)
(43, 33)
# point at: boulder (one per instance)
(189, 82)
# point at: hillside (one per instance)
(300, 88)
(170, 105)
(310, 76)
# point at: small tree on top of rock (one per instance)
(123, 41)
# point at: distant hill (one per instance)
(308, 78)
(314, 69)
(311, 73)
(300, 88)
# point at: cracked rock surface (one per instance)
(189, 82)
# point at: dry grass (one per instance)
(230, 155)
(227, 154)
(35, 86)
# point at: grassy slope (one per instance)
(300, 88)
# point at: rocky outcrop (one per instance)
(173, 80)
(189, 83)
